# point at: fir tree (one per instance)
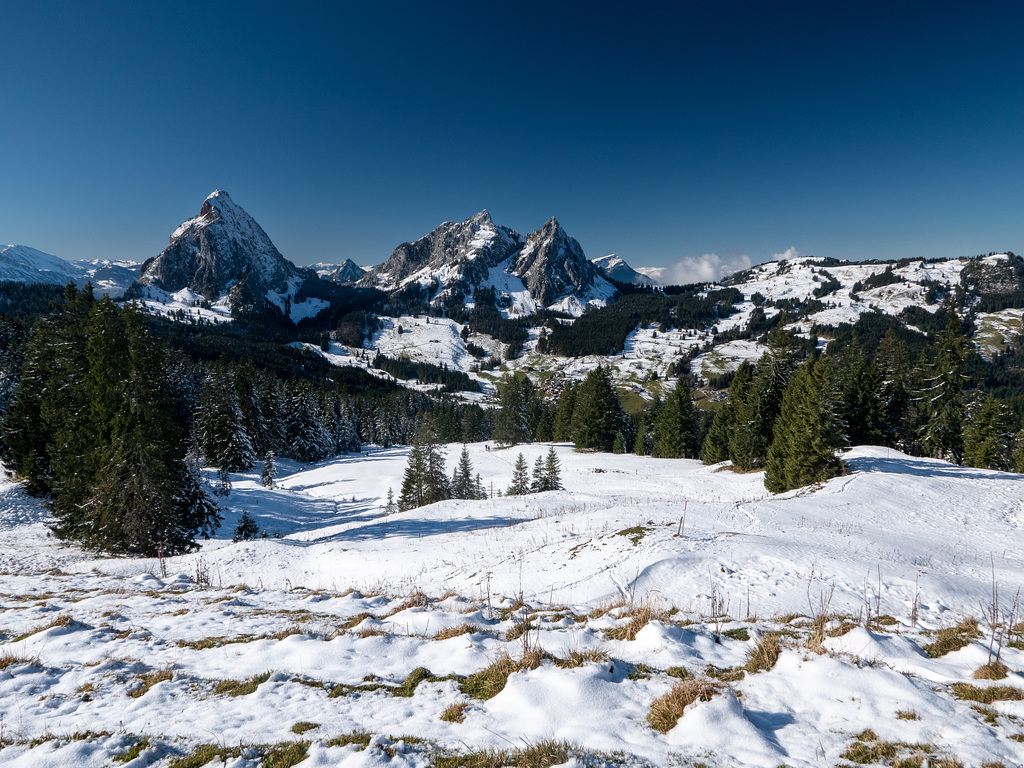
(598, 413)
(519, 406)
(754, 418)
(390, 508)
(537, 479)
(989, 435)
(715, 447)
(562, 428)
(808, 431)
(941, 397)
(676, 428)
(895, 390)
(462, 480)
(269, 472)
(520, 478)
(552, 472)
(246, 529)
(425, 481)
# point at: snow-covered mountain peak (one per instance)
(24, 264)
(618, 269)
(214, 252)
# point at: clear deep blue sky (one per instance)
(868, 130)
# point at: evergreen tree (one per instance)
(715, 447)
(520, 478)
(462, 480)
(269, 472)
(676, 428)
(895, 390)
(552, 472)
(989, 435)
(390, 508)
(754, 418)
(537, 480)
(246, 529)
(941, 397)
(598, 413)
(618, 443)
(862, 407)
(519, 406)
(425, 481)
(808, 431)
(562, 428)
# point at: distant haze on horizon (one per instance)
(700, 139)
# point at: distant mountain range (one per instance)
(22, 264)
(546, 268)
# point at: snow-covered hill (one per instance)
(603, 596)
(22, 264)
(617, 269)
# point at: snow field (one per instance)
(642, 566)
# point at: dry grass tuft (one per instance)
(241, 687)
(489, 682)
(361, 738)
(994, 670)
(639, 617)
(455, 713)
(666, 711)
(465, 628)
(579, 658)
(148, 681)
(763, 656)
(992, 693)
(953, 638)
(417, 599)
(602, 608)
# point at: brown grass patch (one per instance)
(666, 710)
(953, 638)
(762, 657)
(639, 617)
(455, 713)
(994, 670)
(465, 628)
(987, 695)
(148, 681)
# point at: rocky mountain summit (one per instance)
(222, 250)
(547, 266)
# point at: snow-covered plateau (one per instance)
(824, 626)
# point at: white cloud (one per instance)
(789, 253)
(708, 268)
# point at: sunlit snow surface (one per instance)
(894, 531)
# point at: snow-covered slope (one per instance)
(617, 269)
(22, 264)
(643, 571)
(19, 263)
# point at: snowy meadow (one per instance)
(654, 612)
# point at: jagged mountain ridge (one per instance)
(545, 268)
(219, 251)
(347, 272)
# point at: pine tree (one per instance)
(895, 390)
(989, 435)
(562, 428)
(598, 413)
(552, 471)
(676, 428)
(269, 472)
(390, 508)
(462, 479)
(246, 529)
(413, 490)
(520, 478)
(519, 406)
(754, 418)
(715, 447)
(425, 481)
(537, 479)
(862, 406)
(808, 431)
(941, 397)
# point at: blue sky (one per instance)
(718, 133)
